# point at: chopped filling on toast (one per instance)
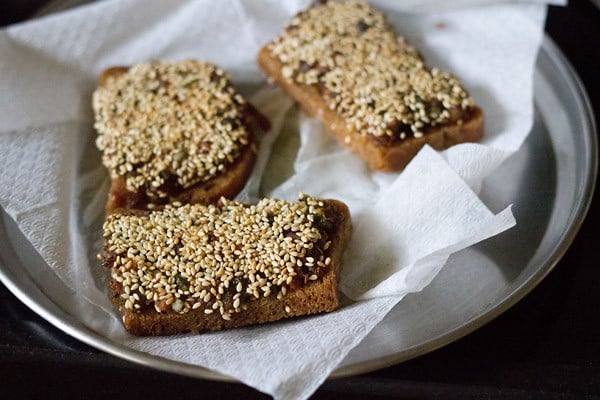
(368, 75)
(217, 257)
(165, 126)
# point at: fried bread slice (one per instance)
(204, 268)
(173, 132)
(343, 63)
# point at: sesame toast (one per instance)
(343, 63)
(196, 268)
(173, 132)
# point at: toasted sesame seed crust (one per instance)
(169, 124)
(218, 258)
(369, 76)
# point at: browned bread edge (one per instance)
(379, 157)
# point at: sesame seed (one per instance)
(177, 306)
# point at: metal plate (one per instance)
(550, 181)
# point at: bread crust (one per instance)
(227, 184)
(379, 157)
(314, 297)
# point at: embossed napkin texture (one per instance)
(406, 224)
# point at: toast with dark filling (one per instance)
(343, 63)
(198, 268)
(173, 132)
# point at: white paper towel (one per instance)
(406, 224)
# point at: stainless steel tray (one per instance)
(550, 181)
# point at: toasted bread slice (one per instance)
(173, 132)
(368, 86)
(205, 268)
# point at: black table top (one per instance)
(547, 346)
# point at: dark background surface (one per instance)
(547, 346)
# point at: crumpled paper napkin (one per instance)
(405, 224)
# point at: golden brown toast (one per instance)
(343, 63)
(194, 135)
(225, 266)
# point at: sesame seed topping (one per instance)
(163, 124)
(216, 257)
(368, 75)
